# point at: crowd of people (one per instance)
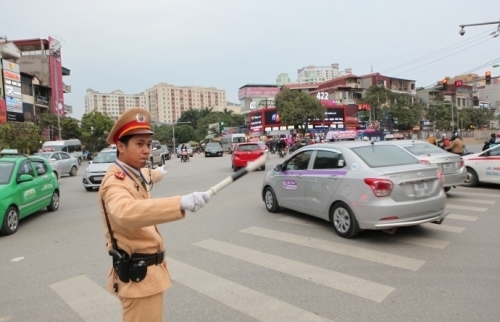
(455, 144)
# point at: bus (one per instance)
(73, 147)
(229, 140)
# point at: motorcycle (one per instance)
(184, 156)
(282, 152)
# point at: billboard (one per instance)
(12, 90)
(334, 115)
(258, 92)
(256, 121)
(56, 81)
(3, 112)
(272, 117)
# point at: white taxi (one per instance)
(483, 167)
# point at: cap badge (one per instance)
(140, 118)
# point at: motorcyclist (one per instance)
(281, 145)
(457, 145)
(490, 143)
(497, 140)
(432, 139)
(444, 142)
(184, 152)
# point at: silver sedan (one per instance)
(67, 163)
(451, 164)
(357, 186)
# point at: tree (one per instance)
(440, 114)
(184, 133)
(206, 111)
(191, 115)
(25, 137)
(297, 108)
(69, 126)
(94, 130)
(474, 117)
(404, 114)
(227, 112)
(378, 98)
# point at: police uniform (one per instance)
(132, 216)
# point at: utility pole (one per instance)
(494, 34)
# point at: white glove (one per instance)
(163, 170)
(194, 201)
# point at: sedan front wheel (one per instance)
(10, 221)
(270, 200)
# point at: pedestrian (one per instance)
(432, 139)
(139, 275)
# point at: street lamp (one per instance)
(494, 34)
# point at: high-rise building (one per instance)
(112, 104)
(167, 102)
(318, 74)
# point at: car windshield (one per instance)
(239, 139)
(164, 147)
(384, 155)
(213, 145)
(6, 168)
(52, 148)
(186, 145)
(248, 147)
(105, 157)
(423, 149)
(43, 155)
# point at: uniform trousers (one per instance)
(142, 309)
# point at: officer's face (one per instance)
(137, 151)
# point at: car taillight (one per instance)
(380, 187)
(441, 177)
(425, 162)
(462, 162)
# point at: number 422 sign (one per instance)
(322, 96)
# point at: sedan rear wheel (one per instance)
(10, 221)
(343, 221)
(54, 203)
(270, 200)
(73, 171)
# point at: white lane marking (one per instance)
(298, 221)
(461, 217)
(342, 282)
(460, 207)
(450, 229)
(260, 306)
(419, 241)
(476, 194)
(17, 259)
(486, 202)
(415, 240)
(343, 249)
(90, 301)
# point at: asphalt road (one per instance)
(234, 261)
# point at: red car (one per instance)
(244, 153)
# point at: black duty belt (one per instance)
(149, 259)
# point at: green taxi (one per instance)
(27, 185)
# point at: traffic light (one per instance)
(458, 83)
(487, 76)
(220, 127)
(445, 84)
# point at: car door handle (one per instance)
(298, 176)
(333, 177)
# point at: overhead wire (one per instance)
(441, 51)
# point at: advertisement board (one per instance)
(258, 92)
(255, 119)
(56, 81)
(271, 117)
(334, 115)
(12, 91)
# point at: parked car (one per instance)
(66, 163)
(97, 168)
(450, 164)
(245, 153)
(156, 156)
(357, 185)
(27, 185)
(189, 149)
(483, 167)
(166, 152)
(213, 149)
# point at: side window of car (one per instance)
(495, 152)
(327, 160)
(64, 156)
(41, 167)
(299, 161)
(26, 168)
(56, 156)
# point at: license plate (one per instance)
(420, 189)
(98, 178)
(447, 167)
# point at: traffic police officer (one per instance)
(139, 274)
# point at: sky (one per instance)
(133, 45)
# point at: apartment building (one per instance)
(318, 74)
(112, 104)
(167, 102)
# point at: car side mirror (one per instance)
(25, 178)
(278, 168)
(341, 163)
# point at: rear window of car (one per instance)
(6, 171)
(423, 149)
(384, 155)
(248, 147)
(213, 145)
